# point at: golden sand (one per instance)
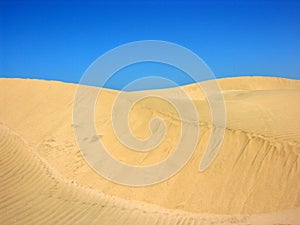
(254, 179)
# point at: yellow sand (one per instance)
(254, 179)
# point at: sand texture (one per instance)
(254, 179)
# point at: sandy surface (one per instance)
(254, 179)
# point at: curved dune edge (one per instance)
(256, 172)
(32, 193)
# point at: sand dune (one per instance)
(33, 193)
(253, 180)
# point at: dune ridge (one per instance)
(255, 174)
(32, 192)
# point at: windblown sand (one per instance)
(254, 179)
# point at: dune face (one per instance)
(253, 180)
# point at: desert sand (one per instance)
(254, 179)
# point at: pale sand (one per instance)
(253, 180)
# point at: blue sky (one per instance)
(58, 40)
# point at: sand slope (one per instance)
(256, 172)
(33, 193)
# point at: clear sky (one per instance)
(58, 40)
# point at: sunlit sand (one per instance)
(254, 179)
